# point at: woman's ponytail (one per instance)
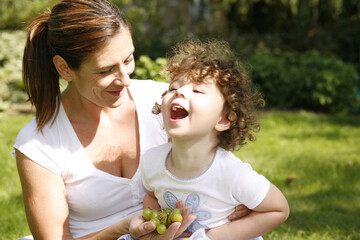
(41, 80)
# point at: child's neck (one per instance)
(188, 160)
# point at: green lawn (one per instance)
(313, 158)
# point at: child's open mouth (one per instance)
(178, 112)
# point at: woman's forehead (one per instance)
(119, 47)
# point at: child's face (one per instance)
(192, 110)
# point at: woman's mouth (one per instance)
(178, 112)
(116, 93)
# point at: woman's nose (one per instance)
(123, 79)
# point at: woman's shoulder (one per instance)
(50, 131)
(154, 158)
(29, 131)
(160, 149)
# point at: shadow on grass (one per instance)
(324, 197)
(324, 212)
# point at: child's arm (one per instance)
(150, 201)
(269, 214)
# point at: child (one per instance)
(208, 110)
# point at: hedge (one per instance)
(306, 80)
(288, 80)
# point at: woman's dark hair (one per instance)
(73, 29)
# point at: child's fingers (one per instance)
(240, 211)
(179, 204)
(187, 220)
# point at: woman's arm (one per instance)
(44, 199)
(269, 214)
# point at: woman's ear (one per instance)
(63, 68)
(225, 122)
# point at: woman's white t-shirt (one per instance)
(96, 199)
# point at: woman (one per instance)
(78, 158)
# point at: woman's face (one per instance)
(104, 75)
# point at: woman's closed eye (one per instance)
(129, 60)
(104, 72)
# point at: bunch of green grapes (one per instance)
(163, 218)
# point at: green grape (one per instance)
(177, 218)
(146, 213)
(168, 222)
(168, 210)
(154, 214)
(163, 217)
(161, 228)
(156, 221)
(175, 211)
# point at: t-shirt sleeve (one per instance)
(35, 146)
(250, 188)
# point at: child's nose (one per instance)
(181, 92)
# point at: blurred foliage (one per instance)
(287, 29)
(15, 13)
(146, 68)
(329, 26)
(11, 51)
(296, 25)
(307, 80)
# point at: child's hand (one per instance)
(240, 211)
(185, 212)
(187, 219)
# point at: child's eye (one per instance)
(172, 89)
(198, 91)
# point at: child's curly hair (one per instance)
(213, 59)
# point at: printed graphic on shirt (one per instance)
(192, 200)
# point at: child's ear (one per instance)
(63, 68)
(225, 122)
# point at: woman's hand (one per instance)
(240, 211)
(144, 230)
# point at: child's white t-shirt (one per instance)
(213, 195)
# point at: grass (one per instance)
(12, 218)
(313, 158)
